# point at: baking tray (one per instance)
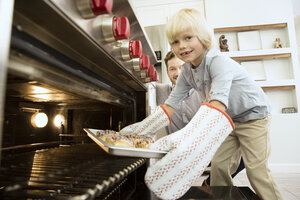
(123, 151)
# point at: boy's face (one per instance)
(188, 48)
(174, 68)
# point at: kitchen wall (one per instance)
(158, 38)
(297, 28)
(296, 12)
(284, 130)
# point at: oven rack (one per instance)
(68, 172)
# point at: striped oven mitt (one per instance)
(150, 125)
(189, 152)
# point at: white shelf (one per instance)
(272, 68)
(281, 83)
(260, 52)
(248, 28)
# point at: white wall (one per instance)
(296, 11)
(236, 12)
(158, 39)
(296, 7)
(156, 12)
(297, 29)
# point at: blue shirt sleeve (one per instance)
(221, 74)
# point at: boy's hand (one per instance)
(150, 125)
(189, 152)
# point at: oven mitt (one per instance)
(189, 152)
(150, 125)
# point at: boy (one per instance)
(189, 105)
(228, 89)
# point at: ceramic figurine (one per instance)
(277, 43)
(223, 43)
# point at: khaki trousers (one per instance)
(252, 140)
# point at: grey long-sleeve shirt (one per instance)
(186, 111)
(218, 77)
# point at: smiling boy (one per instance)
(230, 95)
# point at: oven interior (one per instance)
(59, 161)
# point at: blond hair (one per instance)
(190, 19)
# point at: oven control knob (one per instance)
(144, 66)
(131, 49)
(115, 28)
(141, 64)
(91, 8)
(151, 75)
(150, 72)
(154, 77)
(144, 62)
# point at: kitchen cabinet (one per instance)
(272, 68)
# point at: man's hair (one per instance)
(168, 57)
(190, 19)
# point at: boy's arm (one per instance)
(218, 104)
(170, 110)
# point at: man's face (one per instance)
(174, 68)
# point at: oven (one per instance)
(71, 65)
(66, 65)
